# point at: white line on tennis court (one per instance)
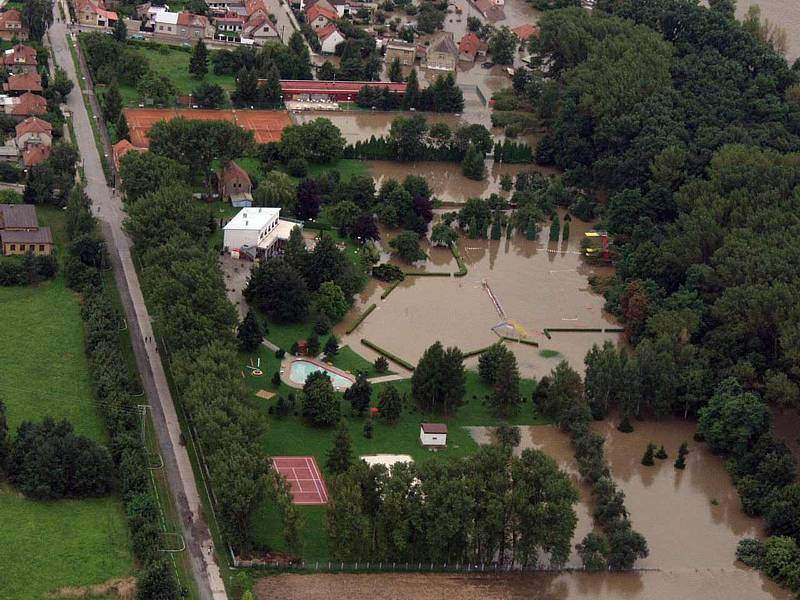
(313, 471)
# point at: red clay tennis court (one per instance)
(304, 477)
(266, 125)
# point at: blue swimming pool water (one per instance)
(301, 369)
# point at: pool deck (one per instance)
(286, 367)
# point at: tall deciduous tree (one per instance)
(279, 290)
(390, 404)
(438, 381)
(359, 394)
(320, 403)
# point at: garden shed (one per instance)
(433, 435)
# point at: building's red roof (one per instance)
(308, 86)
(324, 32)
(9, 16)
(35, 154)
(121, 148)
(230, 18)
(523, 32)
(317, 10)
(233, 171)
(258, 20)
(24, 82)
(20, 55)
(253, 6)
(33, 125)
(187, 19)
(29, 104)
(469, 44)
(434, 427)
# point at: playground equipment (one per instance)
(592, 249)
(510, 329)
(497, 306)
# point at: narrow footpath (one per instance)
(108, 208)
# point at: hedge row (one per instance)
(114, 389)
(389, 290)
(363, 316)
(462, 268)
(387, 354)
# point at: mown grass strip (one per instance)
(462, 268)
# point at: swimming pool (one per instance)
(299, 371)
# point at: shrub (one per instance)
(297, 167)
(751, 552)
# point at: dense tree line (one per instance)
(186, 294)
(114, 390)
(27, 269)
(489, 507)
(443, 95)
(560, 396)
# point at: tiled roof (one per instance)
(444, 44)
(33, 125)
(325, 32)
(187, 19)
(523, 32)
(24, 82)
(233, 171)
(20, 54)
(19, 216)
(29, 104)
(317, 10)
(469, 43)
(35, 154)
(37, 236)
(9, 16)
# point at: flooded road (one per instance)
(539, 284)
(692, 519)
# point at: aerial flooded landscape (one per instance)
(409, 299)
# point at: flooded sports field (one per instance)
(538, 284)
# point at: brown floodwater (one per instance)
(785, 13)
(538, 283)
(692, 519)
(446, 180)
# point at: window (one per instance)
(13, 247)
(21, 247)
(41, 247)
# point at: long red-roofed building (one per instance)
(338, 91)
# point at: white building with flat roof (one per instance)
(259, 228)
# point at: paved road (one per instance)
(109, 210)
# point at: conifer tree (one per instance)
(340, 456)
(198, 64)
(250, 334)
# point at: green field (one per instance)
(44, 372)
(174, 63)
(47, 545)
(291, 436)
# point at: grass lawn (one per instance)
(43, 372)
(347, 168)
(174, 63)
(291, 436)
(47, 545)
(349, 360)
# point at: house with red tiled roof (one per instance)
(471, 46)
(235, 185)
(94, 14)
(329, 37)
(11, 26)
(20, 59)
(23, 82)
(259, 29)
(121, 148)
(33, 132)
(523, 32)
(184, 26)
(321, 15)
(25, 105)
(229, 23)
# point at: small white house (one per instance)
(260, 228)
(433, 435)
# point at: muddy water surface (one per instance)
(538, 285)
(692, 519)
(446, 180)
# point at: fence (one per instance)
(411, 567)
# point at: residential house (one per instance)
(404, 52)
(23, 82)
(329, 37)
(11, 26)
(25, 105)
(471, 46)
(182, 26)
(256, 7)
(94, 14)
(235, 185)
(490, 9)
(20, 232)
(20, 59)
(229, 23)
(260, 228)
(260, 29)
(33, 132)
(442, 53)
(121, 148)
(321, 14)
(523, 32)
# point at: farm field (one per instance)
(44, 373)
